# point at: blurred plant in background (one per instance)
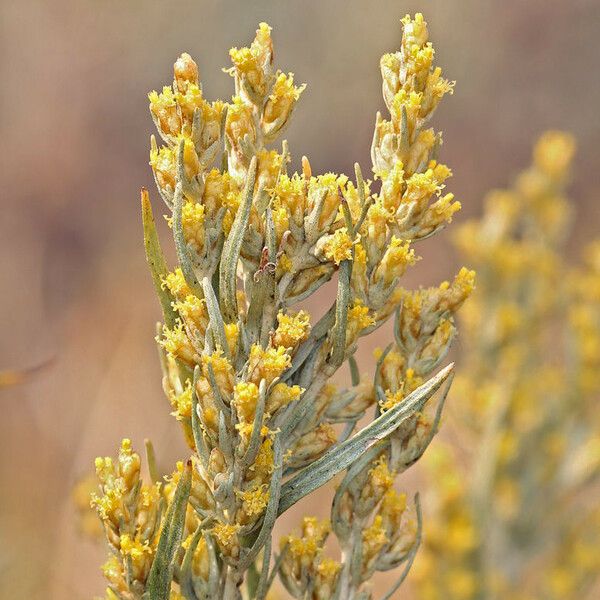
(528, 526)
(248, 377)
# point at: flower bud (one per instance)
(186, 72)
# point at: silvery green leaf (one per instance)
(263, 581)
(232, 248)
(271, 512)
(338, 352)
(151, 461)
(156, 260)
(217, 326)
(342, 456)
(158, 586)
(199, 442)
(185, 576)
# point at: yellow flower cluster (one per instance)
(248, 374)
(526, 400)
(304, 562)
(130, 513)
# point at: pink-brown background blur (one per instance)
(74, 128)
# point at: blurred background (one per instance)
(76, 296)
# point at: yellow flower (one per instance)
(267, 364)
(358, 320)
(134, 548)
(254, 500)
(398, 256)
(337, 246)
(192, 220)
(374, 538)
(307, 547)
(393, 506)
(392, 187)
(200, 561)
(252, 64)
(189, 100)
(185, 71)
(176, 342)
(193, 312)
(164, 109)
(282, 394)
(292, 329)
(291, 193)
(232, 333)
(554, 152)
(264, 462)
(245, 399)
(219, 188)
(415, 30)
(182, 402)
(114, 572)
(269, 167)
(175, 282)
(380, 475)
(328, 184)
(281, 102)
(227, 538)
(408, 102)
(462, 582)
(222, 369)
(240, 122)
(327, 571)
(162, 161)
(281, 219)
(453, 295)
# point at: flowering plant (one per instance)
(248, 373)
(528, 525)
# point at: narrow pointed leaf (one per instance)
(156, 260)
(233, 247)
(342, 456)
(338, 352)
(158, 586)
(216, 320)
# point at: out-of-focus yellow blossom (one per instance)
(532, 344)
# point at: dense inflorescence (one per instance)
(248, 372)
(527, 527)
